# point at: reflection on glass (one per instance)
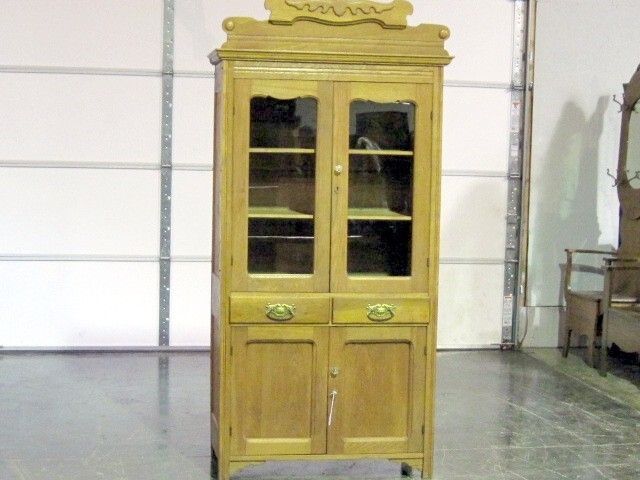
(282, 181)
(282, 172)
(379, 248)
(283, 123)
(633, 147)
(382, 126)
(381, 142)
(280, 246)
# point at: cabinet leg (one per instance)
(427, 466)
(214, 464)
(567, 342)
(406, 470)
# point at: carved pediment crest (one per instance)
(340, 12)
(340, 7)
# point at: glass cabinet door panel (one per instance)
(277, 123)
(380, 188)
(381, 126)
(281, 195)
(282, 181)
(379, 248)
(280, 246)
(282, 177)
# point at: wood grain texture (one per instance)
(279, 387)
(380, 389)
(408, 309)
(251, 308)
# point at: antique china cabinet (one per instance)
(326, 208)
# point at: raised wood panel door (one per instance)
(377, 386)
(279, 390)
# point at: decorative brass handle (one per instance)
(381, 312)
(280, 312)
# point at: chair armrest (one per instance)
(571, 251)
(569, 265)
(628, 263)
(614, 260)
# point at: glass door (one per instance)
(381, 191)
(281, 230)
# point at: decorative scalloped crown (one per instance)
(340, 12)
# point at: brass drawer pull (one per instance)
(381, 312)
(280, 312)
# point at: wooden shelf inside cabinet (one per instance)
(377, 214)
(283, 213)
(386, 153)
(302, 151)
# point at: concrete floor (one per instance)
(145, 416)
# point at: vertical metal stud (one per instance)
(514, 198)
(166, 171)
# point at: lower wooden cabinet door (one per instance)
(377, 379)
(279, 390)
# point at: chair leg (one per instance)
(567, 342)
(590, 351)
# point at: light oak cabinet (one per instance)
(326, 207)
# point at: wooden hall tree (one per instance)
(326, 211)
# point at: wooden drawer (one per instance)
(371, 309)
(277, 308)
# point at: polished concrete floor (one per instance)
(500, 415)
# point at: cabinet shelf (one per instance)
(281, 237)
(377, 214)
(283, 213)
(388, 153)
(306, 151)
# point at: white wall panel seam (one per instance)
(79, 258)
(101, 165)
(120, 72)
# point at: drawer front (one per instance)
(279, 309)
(376, 309)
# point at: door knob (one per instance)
(338, 169)
(334, 371)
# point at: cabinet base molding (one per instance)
(240, 463)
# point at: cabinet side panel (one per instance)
(217, 292)
(434, 254)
